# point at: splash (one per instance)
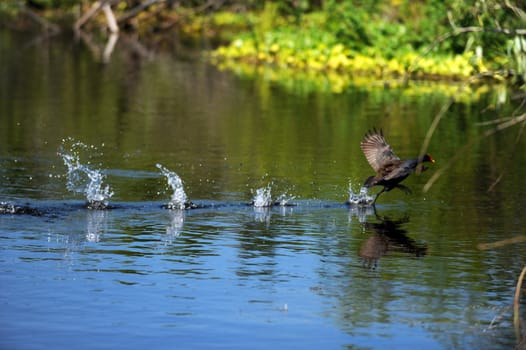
(263, 197)
(285, 200)
(10, 208)
(360, 198)
(179, 199)
(7, 208)
(81, 178)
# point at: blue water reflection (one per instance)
(216, 277)
(312, 274)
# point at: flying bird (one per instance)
(390, 169)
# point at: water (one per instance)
(310, 272)
(359, 198)
(263, 197)
(82, 179)
(179, 199)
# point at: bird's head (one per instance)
(427, 158)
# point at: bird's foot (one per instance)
(406, 189)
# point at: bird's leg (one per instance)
(406, 189)
(378, 195)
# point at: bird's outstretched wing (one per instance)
(377, 150)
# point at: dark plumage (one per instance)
(390, 169)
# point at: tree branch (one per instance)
(136, 10)
(110, 18)
(461, 152)
(94, 9)
(52, 27)
(516, 300)
(517, 139)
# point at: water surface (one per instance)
(229, 275)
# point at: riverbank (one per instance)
(385, 45)
(335, 45)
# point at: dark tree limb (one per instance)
(499, 127)
(47, 25)
(94, 9)
(513, 151)
(136, 10)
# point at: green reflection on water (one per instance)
(227, 135)
(221, 133)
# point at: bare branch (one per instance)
(516, 300)
(501, 243)
(110, 18)
(136, 10)
(517, 139)
(431, 131)
(52, 27)
(96, 7)
(210, 3)
(461, 152)
(518, 12)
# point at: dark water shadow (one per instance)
(388, 235)
(19, 209)
(58, 207)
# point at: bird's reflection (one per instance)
(388, 235)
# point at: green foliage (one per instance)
(349, 22)
(462, 38)
(8, 9)
(494, 42)
(433, 38)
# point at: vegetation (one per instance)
(326, 45)
(424, 39)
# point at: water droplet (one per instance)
(179, 199)
(263, 197)
(81, 178)
(360, 198)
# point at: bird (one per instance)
(390, 169)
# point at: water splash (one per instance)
(285, 200)
(263, 197)
(82, 179)
(179, 200)
(7, 208)
(360, 198)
